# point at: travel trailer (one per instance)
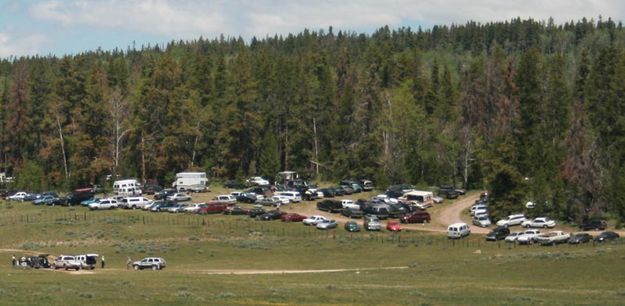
(191, 181)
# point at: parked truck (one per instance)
(191, 181)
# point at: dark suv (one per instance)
(498, 233)
(332, 206)
(598, 225)
(416, 217)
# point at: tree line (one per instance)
(530, 110)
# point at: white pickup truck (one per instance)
(66, 262)
(553, 238)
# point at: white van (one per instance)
(134, 202)
(293, 196)
(87, 261)
(458, 230)
(129, 187)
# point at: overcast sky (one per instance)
(70, 26)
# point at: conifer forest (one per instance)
(526, 109)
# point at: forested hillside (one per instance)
(530, 110)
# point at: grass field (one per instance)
(218, 260)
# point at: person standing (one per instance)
(128, 263)
(103, 261)
(13, 260)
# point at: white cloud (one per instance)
(21, 44)
(191, 18)
(161, 17)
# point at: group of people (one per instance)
(23, 261)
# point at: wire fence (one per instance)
(242, 226)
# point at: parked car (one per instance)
(541, 222)
(332, 206)
(87, 261)
(38, 261)
(606, 236)
(327, 224)
(179, 197)
(271, 215)
(256, 180)
(163, 194)
(270, 202)
(438, 199)
(515, 219)
(481, 221)
(379, 210)
(66, 262)
(338, 191)
(236, 210)
(256, 211)
(553, 238)
(154, 263)
(598, 225)
(151, 189)
(18, 196)
(367, 185)
(134, 202)
(212, 208)
(479, 210)
(449, 192)
(291, 196)
(44, 200)
(348, 203)
(372, 223)
(513, 236)
(234, 184)
(580, 238)
(104, 204)
(416, 217)
(327, 192)
(292, 217)
(176, 208)
(347, 190)
(528, 237)
(313, 220)
(352, 226)
(352, 213)
(247, 197)
(393, 226)
(161, 205)
(225, 198)
(458, 230)
(194, 208)
(499, 233)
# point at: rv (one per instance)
(129, 187)
(423, 199)
(191, 181)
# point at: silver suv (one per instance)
(372, 223)
(154, 263)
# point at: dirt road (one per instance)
(452, 213)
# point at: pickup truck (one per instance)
(66, 262)
(553, 238)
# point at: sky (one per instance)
(60, 27)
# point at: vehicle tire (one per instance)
(545, 226)
(154, 268)
(135, 267)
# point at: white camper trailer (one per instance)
(128, 187)
(191, 181)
